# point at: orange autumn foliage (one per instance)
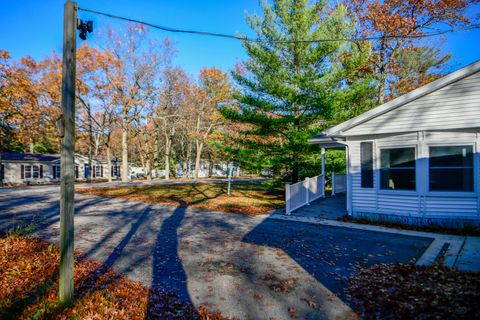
(29, 288)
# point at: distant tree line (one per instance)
(136, 105)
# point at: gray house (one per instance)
(416, 159)
(26, 168)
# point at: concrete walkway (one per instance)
(245, 267)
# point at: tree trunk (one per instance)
(90, 142)
(381, 87)
(148, 162)
(32, 147)
(97, 144)
(198, 157)
(124, 172)
(109, 164)
(295, 173)
(167, 158)
(155, 155)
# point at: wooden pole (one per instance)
(67, 154)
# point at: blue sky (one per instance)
(34, 27)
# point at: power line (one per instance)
(243, 38)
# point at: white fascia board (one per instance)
(404, 99)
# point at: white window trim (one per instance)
(451, 194)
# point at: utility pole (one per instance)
(67, 153)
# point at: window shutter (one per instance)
(119, 172)
(41, 171)
(101, 171)
(366, 156)
(111, 171)
(2, 172)
(22, 174)
(94, 169)
(54, 172)
(76, 172)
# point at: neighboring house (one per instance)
(24, 168)
(416, 159)
(207, 169)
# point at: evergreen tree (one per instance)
(292, 87)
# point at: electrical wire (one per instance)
(246, 39)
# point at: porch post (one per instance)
(323, 172)
(333, 184)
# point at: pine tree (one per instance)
(290, 86)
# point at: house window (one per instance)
(35, 172)
(28, 172)
(115, 171)
(57, 172)
(366, 149)
(98, 171)
(397, 169)
(451, 168)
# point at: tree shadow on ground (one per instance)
(333, 254)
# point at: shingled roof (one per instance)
(27, 157)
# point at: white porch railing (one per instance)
(302, 193)
(339, 183)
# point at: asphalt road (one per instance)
(245, 267)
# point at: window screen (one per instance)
(451, 168)
(397, 169)
(366, 149)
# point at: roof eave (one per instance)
(404, 99)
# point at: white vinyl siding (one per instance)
(362, 198)
(421, 202)
(456, 106)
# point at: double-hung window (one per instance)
(397, 169)
(28, 172)
(451, 168)
(98, 171)
(35, 172)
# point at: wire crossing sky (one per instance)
(243, 38)
(34, 28)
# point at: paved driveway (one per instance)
(250, 268)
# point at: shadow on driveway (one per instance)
(333, 254)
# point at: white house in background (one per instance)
(416, 159)
(207, 169)
(25, 168)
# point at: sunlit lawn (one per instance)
(246, 197)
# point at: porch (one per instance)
(328, 207)
(309, 198)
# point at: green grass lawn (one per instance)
(246, 197)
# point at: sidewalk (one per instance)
(461, 252)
